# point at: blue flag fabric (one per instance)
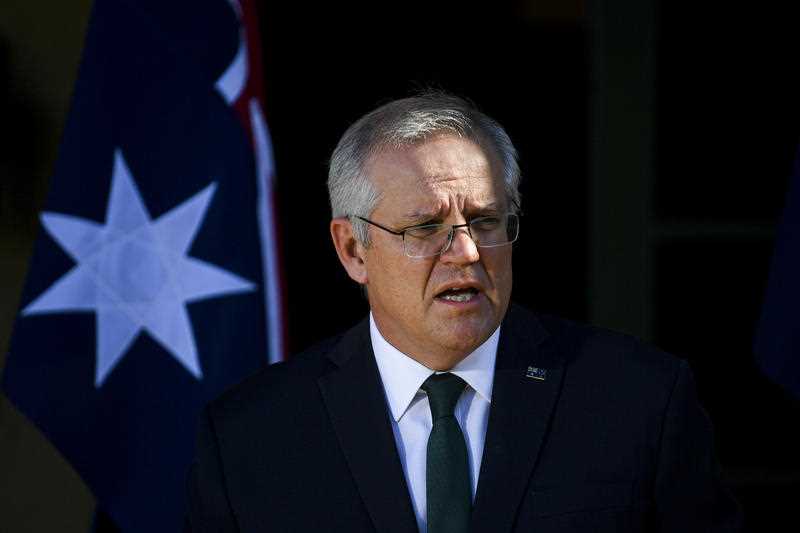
(154, 283)
(777, 342)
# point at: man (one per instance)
(447, 409)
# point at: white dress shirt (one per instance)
(402, 377)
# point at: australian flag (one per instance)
(154, 283)
(777, 343)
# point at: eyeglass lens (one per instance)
(486, 232)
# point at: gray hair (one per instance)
(406, 122)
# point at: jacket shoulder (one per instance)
(597, 354)
(594, 340)
(278, 383)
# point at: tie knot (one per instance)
(443, 393)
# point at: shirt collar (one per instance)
(402, 376)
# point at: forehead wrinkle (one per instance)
(460, 189)
(425, 211)
(443, 177)
(466, 198)
(438, 186)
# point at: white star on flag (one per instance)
(135, 274)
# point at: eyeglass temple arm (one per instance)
(379, 226)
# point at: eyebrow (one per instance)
(425, 214)
(419, 215)
(490, 207)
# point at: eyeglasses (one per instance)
(428, 240)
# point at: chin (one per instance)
(465, 337)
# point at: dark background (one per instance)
(656, 142)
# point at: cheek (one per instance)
(506, 275)
(401, 284)
(406, 279)
(498, 267)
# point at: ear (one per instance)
(349, 250)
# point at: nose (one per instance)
(462, 248)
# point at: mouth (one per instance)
(462, 294)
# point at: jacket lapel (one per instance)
(353, 394)
(527, 381)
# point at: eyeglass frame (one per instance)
(450, 235)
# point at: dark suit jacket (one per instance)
(611, 440)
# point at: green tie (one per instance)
(447, 472)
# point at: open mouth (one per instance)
(458, 294)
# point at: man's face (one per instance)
(443, 180)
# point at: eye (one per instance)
(425, 230)
(485, 223)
